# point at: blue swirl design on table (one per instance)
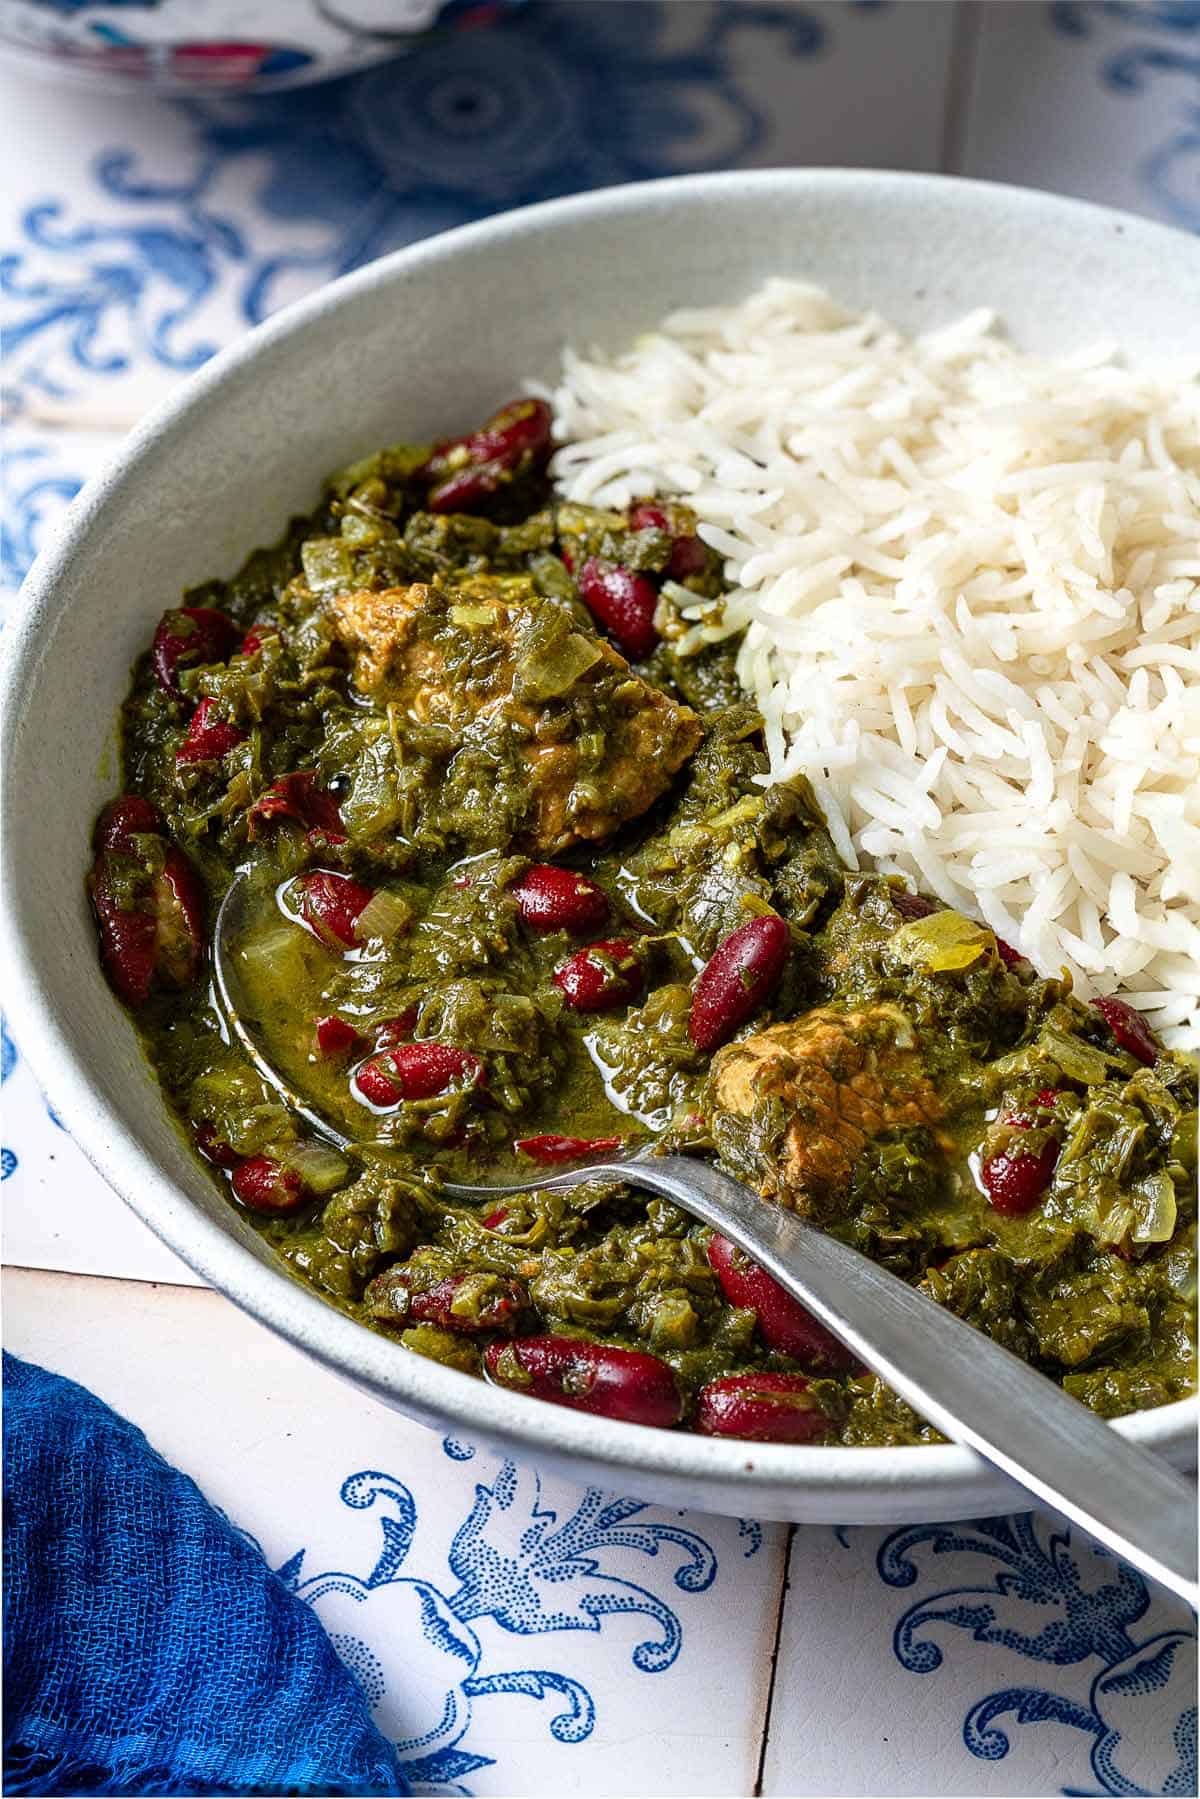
(1061, 1602)
(557, 98)
(511, 1561)
(8, 1061)
(130, 290)
(33, 493)
(1168, 43)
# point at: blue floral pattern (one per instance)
(33, 492)
(1060, 1602)
(8, 1061)
(558, 99)
(1161, 38)
(511, 1561)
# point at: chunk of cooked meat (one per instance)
(794, 1106)
(503, 670)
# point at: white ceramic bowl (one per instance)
(419, 344)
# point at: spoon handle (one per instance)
(971, 1388)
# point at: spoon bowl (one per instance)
(231, 930)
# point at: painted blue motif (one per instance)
(120, 291)
(750, 1533)
(8, 1061)
(557, 99)
(33, 492)
(1060, 1602)
(512, 1562)
(1162, 40)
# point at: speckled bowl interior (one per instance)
(423, 343)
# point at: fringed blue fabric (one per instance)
(148, 1647)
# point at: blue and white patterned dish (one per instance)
(416, 344)
(221, 46)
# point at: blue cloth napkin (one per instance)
(148, 1647)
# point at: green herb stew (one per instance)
(518, 893)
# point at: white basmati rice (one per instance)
(969, 580)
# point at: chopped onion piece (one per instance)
(327, 563)
(1154, 1207)
(321, 1168)
(384, 916)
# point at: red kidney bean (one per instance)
(589, 1377)
(123, 819)
(265, 1185)
(783, 1323)
(214, 1149)
(741, 973)
(468, 488)
(498, 1304)
(178, 907)
(417, 1071)
(1008, 955)
(760, 1408)
(565, 1149)
(522, 428)
(557, 899)
(301, 799)
(601, 977)
(150, 917)
(330, 905)
(648, 517)
(1016, 1179)
(912, 905)
(1129, 1029)
(189, 637)
(208, 738)
(624, 602)
(126, 943)
(469, 470)
(335, 1037)
(689, 555)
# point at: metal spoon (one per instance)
(973, 1390)
(233, 917)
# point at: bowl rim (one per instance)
(940, 1476)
